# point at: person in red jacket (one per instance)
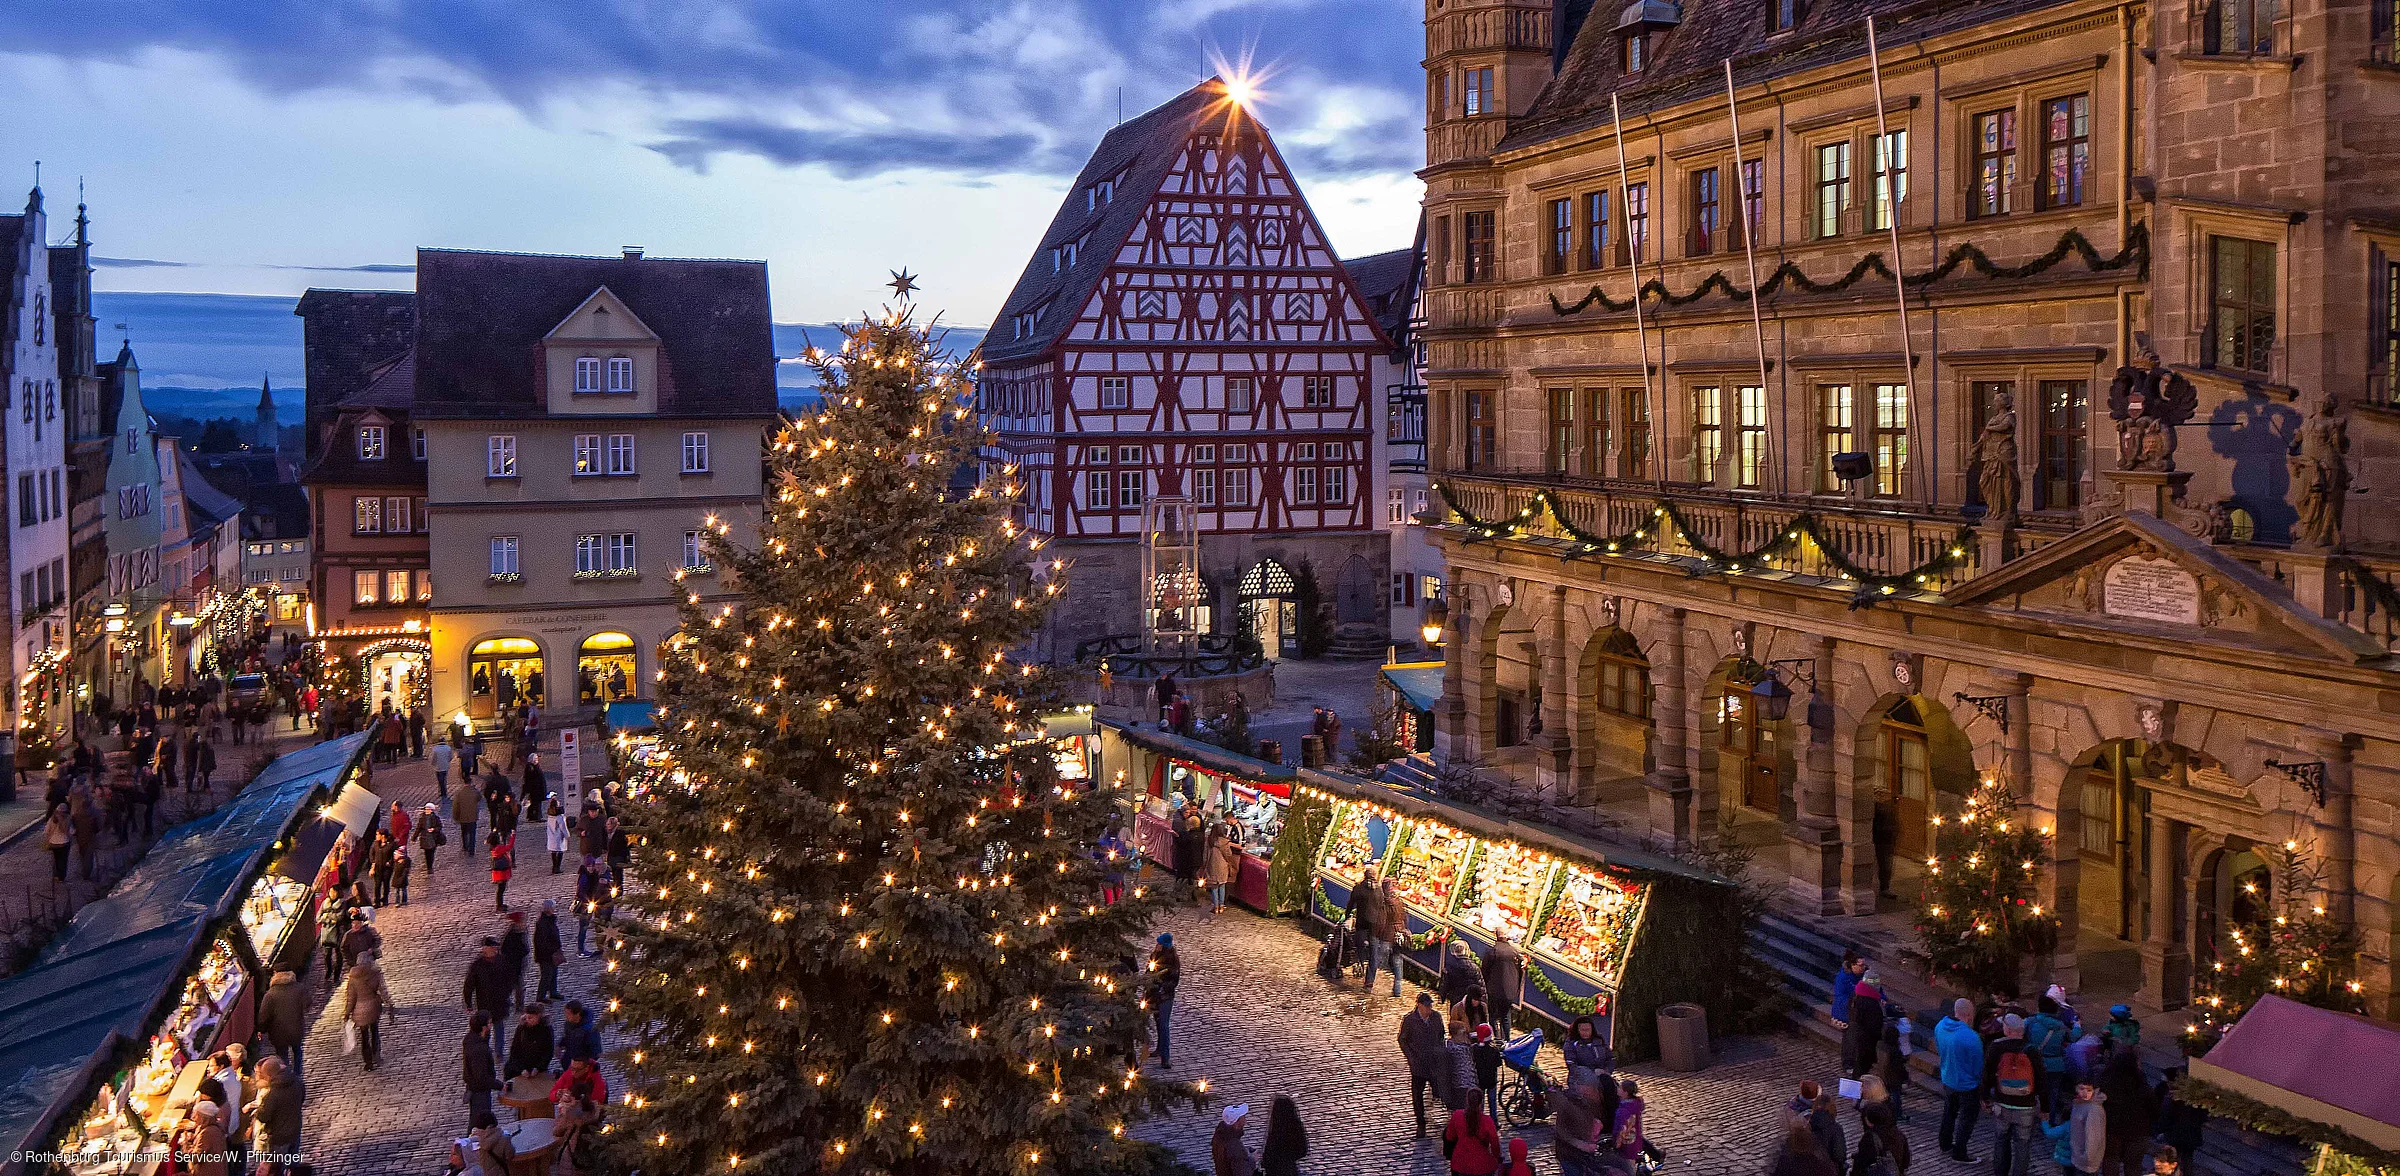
(1474, 1142)
(1518, 1165)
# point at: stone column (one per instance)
(2337, 835)
(1815, 837)
(2166, 953)
(1451, 738)
(1670, 782)
(1554, 763)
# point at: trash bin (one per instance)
(1682, 1037)
(1271, 750)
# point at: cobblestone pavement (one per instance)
(1253, 1018)
(400, 1119)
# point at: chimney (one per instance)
(633, 253)
(1566, 19)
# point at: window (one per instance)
(1404, 590)
(1129, 454)
(2096, 813)
(1129, 488)
(1096, 491)
(2058, 483)
(1204, 487)
(504, 555)
(1116, 392)
(1479, 259)
(1633, 452)
(587, 374)
(133, 501)
(1637, 221)
(366, 588)
(1624, 686)
(1595, 433)
(695, 453)
(2383, 32)
(1559, 444)
(1316, 391)
(500, 456)
(590, 557)
(2383, 319)
(1307, 452)
(1891, 437)
(1706, 202)
(1995, 164)
(1476, 88)
(2241, 316)
(370, 443)
(1441, 250)
(1395, 510)
(1304, 484)
(1708, 433)
(1891, 175)
(1595, 230)
(1637, 52)
(587, 453)
(1562, 237)
(1241, 394)
(1481, 442)
(416, 443)
(1337, 485)
(1754, 198)
(1834, 420)
(1237, 487)
(2243, 26)
(424, 585)
(620, 374)
(395, 587)
(366, 516)
(2066, 150)
(1204, 453)
(692, 557)
(1783, 15)
(620, 454)
(395, 516)
(1750, 437)
(1832, 184)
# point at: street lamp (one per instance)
(1437, 616)
(1772, 697)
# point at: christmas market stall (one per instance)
(1168, 772)
(1411, 690)
(1607, 931)
(1075, 740)
(103, 1041)
(2330, 1078)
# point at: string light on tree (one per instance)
(1980, 911)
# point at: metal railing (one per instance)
(1208, 655)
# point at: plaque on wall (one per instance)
(2151, 590)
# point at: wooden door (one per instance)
(1906, 787)
(1752, 745)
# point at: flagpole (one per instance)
(1741, 195)
(1641, 333)
(1890, 177)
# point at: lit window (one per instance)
(395, 587)
(370, 443)
(366, 516)
(587, 453)
(366, 587)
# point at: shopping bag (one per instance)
(349, 1038)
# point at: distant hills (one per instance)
(203, 355)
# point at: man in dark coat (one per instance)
(1459, 973)
(283, 1017)
(578, 1040)
(490, 986)
(480, 1076)
(546, 950)
(1425, 1046)
(276, 1113)
(1504, 982)
(532, 1046)
(514, 948)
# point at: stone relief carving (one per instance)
(2320, 468)
(1611, 612)
(2147, 403)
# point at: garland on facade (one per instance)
(2135, 253)
(2274, 1120)
(1802, 526)
(1573, 1006)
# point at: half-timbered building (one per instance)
(1184, 334)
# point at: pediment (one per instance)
(602, 317)
(2136, 572)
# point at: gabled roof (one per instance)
(206, 503)
(391, 386)
(1687, 60)
(1388, 283)
(481, 319)
(2238, 604)
(279, 511)
(1138, 154)
(350, 333)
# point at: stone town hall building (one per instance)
(2159, 603)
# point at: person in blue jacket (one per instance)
(2046, 1035)
(1845, 982)
(1960, 1049)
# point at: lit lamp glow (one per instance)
(1437, 617)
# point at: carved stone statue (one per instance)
(1995, 460)
(2147, 403)
(2320, 477)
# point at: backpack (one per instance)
(2013, 1075)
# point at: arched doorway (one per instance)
(2235, 888)
(1753, 760)
(501, 672)
(396, 671)
(604, 669)
(1924, 767)
(1268, 614)
(1356, 593)
(1614, 722)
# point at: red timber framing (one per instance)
(1220, 351)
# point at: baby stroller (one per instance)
(1525, 1095)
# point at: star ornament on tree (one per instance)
(903, 283)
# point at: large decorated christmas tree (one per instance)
(1980, 914)
(862, 933)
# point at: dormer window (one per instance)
(1641, 24)
(370, 443)
(1783, 15)
(620, 374)
(1637, 52)
(1062, 258)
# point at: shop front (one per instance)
(1252, 798)
(1075, 744)
(502, 672)
(1410, 691)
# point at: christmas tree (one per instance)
(2295, 950)
(865, 934)
(1980, 912)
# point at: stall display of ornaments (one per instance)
(1507, 889)
(269, 910)
(1428, 867)
(1349, 851)
(1592, 923)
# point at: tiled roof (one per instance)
(1686, 62)
(201, 495)
(350, 333)
(279, 511)
(391, 386)
(482, 318)
(337, 463)
(1388, 283)
(1138, 155)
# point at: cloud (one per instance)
(852, 154)
(374, 267)
(381, 267)
(137, 263)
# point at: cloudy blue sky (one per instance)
(265, 146)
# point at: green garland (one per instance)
(2273, 1120)
(1337, 916)
(1573, 1006)
(2135, 253)
(1718, 560)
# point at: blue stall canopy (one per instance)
(631, 715)
(1418, 682)
(105, 978)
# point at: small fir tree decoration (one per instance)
(1980, 913)
(863, 932)
(2295, 950)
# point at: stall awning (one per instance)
(1067, 723)
(1418, 682)
(1207, 756)
(310, 847)
(631, 715)
(356, 809)
(2278, 1054)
